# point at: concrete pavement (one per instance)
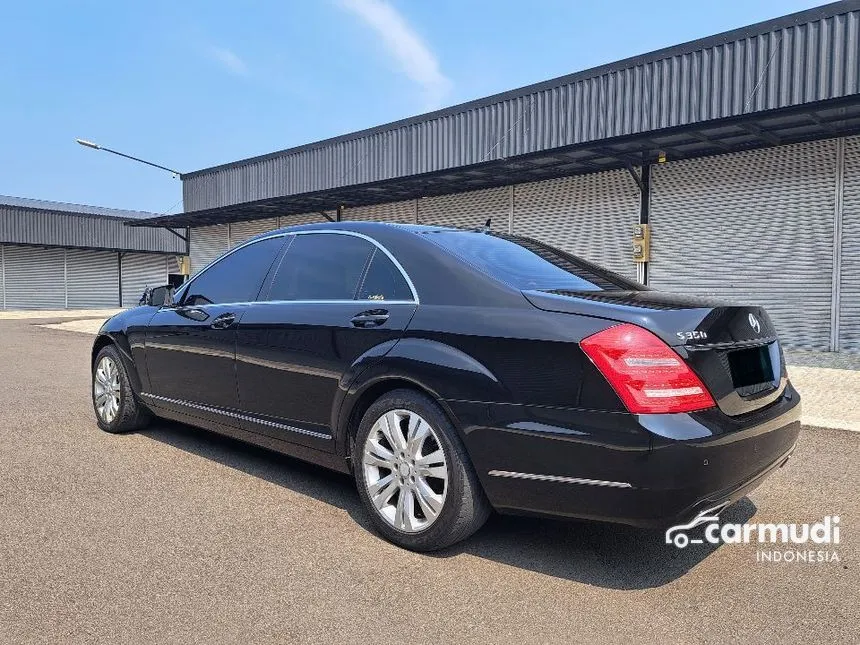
(176, 535)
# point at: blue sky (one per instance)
(192, 84)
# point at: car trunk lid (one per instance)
(732, 348)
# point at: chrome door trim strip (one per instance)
(236, 415)
(559, 479)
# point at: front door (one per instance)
(191, 347)
(334, 299)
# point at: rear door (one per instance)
(191, 347)
(334, 297)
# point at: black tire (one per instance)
(465, 507)
(130, 415)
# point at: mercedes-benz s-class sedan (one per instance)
(453, 372)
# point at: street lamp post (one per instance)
(95, 146)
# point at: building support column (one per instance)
(3, 272)
(119, 273)
(512, 196)
(644, 214)
(836, 276)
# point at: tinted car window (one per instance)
(236, 277)
(383, 281)
(322, 266)
(524, 263)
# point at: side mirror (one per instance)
(158, 296)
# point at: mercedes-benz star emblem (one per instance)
(755, 324)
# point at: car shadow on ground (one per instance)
(603, 555)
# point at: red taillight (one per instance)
(648, 375)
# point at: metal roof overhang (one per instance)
(822, 120)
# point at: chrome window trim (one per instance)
(236, 415)
(325, 231)
(378, 303)
(559, 479)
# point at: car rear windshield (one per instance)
(524, 263)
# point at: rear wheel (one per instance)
(414, 476)
(113, 400)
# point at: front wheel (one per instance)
(113, 400)
(414, 476)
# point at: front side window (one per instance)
(322, 266)
(236, 277)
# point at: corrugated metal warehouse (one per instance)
(740, 151)
(68, 256)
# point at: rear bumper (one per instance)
(642, 470)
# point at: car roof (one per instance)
(365, 227)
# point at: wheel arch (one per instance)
(107, 339)
(101, 341)
(355, 406)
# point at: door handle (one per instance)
(223, 321)
(370, 318)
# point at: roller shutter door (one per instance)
(753, 227)
(207, 243)
(467, 210)
(243, 231)
(92, 279)
(34, 277)
(140, 270)
(303, 218)
(591, 216)
(403, 212)
(849, 318)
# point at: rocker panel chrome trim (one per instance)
(237, 415)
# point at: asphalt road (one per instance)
(176, 535)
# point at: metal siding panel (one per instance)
(849, 316)
(753, 227)
(55, 228)
(786, 65)
(92, 279)
(139, 271)
(207, 243)
(591, 216)
(403, 212)
(467, 210)
(243, 231)
(35, 278)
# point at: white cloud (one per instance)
(228, 59)
(406, 47)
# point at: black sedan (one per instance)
(453, 372)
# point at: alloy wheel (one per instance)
(106, 389)
(405, 470)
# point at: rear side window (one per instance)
(524, 263)
(236, 277)
(383, 281)
(321, 266)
